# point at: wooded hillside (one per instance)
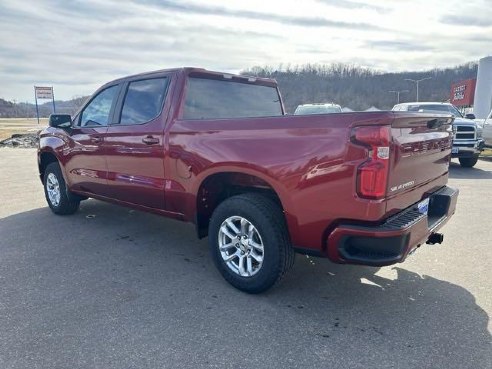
(358, 88)
(10, 109)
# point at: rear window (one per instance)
(143, 100)
(215, 99)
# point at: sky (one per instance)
(76, 46)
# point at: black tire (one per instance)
(68, 202)
(268, 218)
(468, 162)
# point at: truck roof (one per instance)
(201, 71)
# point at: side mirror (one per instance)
(60, 120)
(470, 116)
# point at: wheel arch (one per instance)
(222, 183)
(46, 158)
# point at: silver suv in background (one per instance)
(319, 108)
(467, 141)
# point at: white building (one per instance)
(483, 90)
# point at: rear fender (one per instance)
(277, 187)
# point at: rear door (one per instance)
(421, 144)
(86, 162)
(134, 143)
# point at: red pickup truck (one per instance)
(218, 150)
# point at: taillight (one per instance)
(372, 175)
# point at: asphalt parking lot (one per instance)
(111, 287)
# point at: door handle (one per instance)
(96, 139)
(149, 140)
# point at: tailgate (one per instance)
(421, 149)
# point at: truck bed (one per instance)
(312, 164)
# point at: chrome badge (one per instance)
(402, 186)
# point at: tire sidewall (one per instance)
(271, 266)
(468, 162)
(51, 170)
(66, 205)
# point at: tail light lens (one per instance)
(372, 175)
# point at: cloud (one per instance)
(348, 4)
(399, 45)
(302, 21)
(79, 45)
(468, 20)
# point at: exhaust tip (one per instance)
(435, 238)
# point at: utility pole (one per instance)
(14, 110)
(416, 81)
(398, 93)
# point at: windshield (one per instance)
(317, 109)
(442, 108)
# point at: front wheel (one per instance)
(59, 199)
(468, 162)
(249, 242)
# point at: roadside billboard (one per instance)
(463, 93)
(44, 93)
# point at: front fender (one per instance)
(52, 145)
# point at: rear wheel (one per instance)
(249, 242)
(468, 162)
(59, 199)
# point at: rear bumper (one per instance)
(467, 149)
(392, 241)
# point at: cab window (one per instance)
(96, 113)
(143, 101)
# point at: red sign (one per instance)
(463, 93)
